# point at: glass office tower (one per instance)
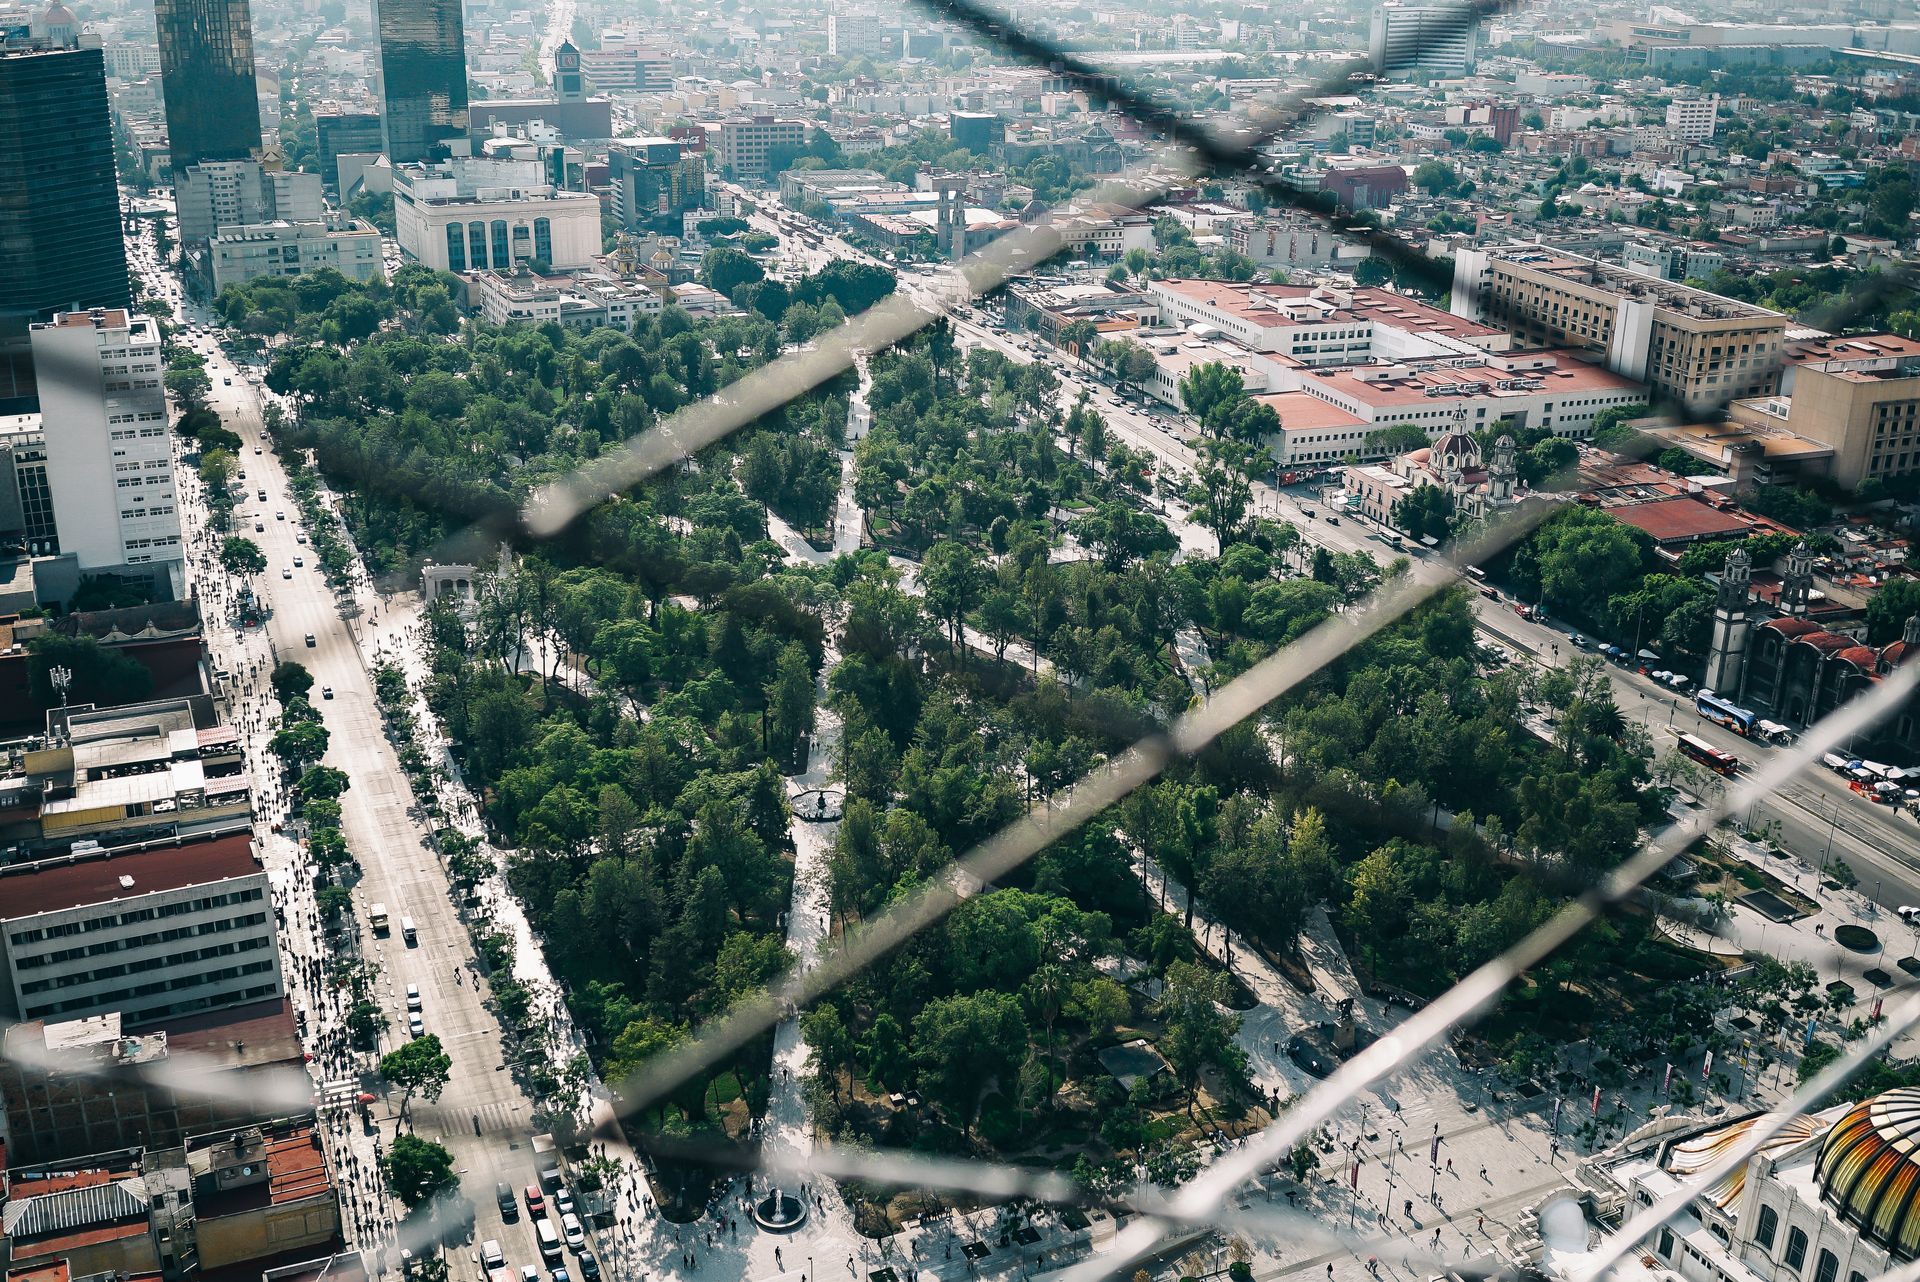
(206, 76)
(423, 73)
(60, 244)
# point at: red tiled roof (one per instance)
(1862, 657)
(1792, 627)
(1671, 520)
(72, 881)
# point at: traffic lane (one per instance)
(397, 872)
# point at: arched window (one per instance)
(502, 255)
(1796, 1248)
(1827, 1267)
(477, 244)
(456, 249)
(543, 239)
(1769, 1226)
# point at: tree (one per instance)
(1435, 176)
(417, 1170)
(242, 557)
(97, 673)
(723, 270)
(963, 1043)
(1426, 512)
(323, 781)
(954, 582)
(1889, 609)
(1371, 273)
(1199, 1032)
(300, 744)
(1208, 388)
(418, 1066)
(290, 680)
(190, 386)
(1396, 439)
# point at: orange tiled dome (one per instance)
(1868, 1171)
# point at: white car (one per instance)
(415, 1027)
(285, 573)
(570, 1230)
(326, 692)
(299, 562)
(1908, 912)
(413, 997)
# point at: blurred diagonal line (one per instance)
(1139, 765)
(1641, 1225)
(995, 1181)
(1463, 1002)
(556, 505)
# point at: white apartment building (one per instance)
(150, 933)
(471, 213)
(858, 35)
(1424, 39)
(1693, 119)
(130, 62)
(741, 145)
(104, 413)
(579, 300)
(248, 251)
(227, 193)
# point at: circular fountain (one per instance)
(779, 1212)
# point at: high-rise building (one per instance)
(206, 74)
(743, 146)
(339, 132)
(105, 421)
(60, 243)
(423, 71)
(654, 181)
(1693, 119)
(1424, 39)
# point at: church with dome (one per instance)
(1833, 1197)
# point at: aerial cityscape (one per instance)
(730, 641)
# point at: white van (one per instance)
(377, 914)
(549, 1239)
(407, 932)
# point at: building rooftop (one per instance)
(1303, 412)
(1681, 519)
(1274, 306)
(1423, 384)
(249, 1036)
(1622, 282)
(74, 881)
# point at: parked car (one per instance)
(503, 1196)
(571, 1230)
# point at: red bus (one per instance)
(1707, 755)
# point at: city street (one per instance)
(483, 1118)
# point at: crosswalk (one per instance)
(336, 1097)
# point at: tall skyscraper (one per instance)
(423, 72)
(60, 243)
(206, 76)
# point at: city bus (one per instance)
(1714, 708)
(1707, 755)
